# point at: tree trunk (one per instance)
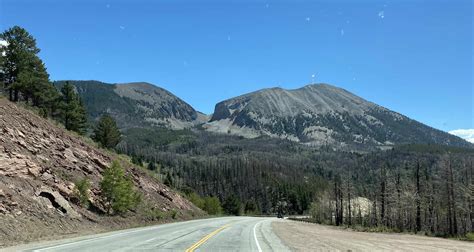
(418, 198)
(453, 200)
(471, 200)
(399, 202)
(349, 212)
(382, 194)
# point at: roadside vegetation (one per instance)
(118, 190)
(81, 190)
(211, 205)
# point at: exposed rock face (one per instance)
(138, 104)
(321, 114)
(53, 199)
(39, 164)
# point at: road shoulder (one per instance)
(301, 236)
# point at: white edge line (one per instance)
(255, 236)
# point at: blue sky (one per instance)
(414, 57)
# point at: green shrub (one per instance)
(81, 190)
(196, 200)
(154, 214)
(117, 190)
(174, 214)
(212, 205)
(470, 236)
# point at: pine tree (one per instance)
(107, 133)
(137, 160)
(169, 181)
(231, 205)
(72, 111)
(117, 190)
(418, 197)
(81, 190)
(152, 166)
(23, 73)
(21, 48)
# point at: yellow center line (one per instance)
(205, 238)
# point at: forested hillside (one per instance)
(410, 188)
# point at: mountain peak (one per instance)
(141, 84)
(320, 114)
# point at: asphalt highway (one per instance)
(214, 234)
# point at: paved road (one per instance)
(216, 234)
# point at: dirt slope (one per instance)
(39, 163)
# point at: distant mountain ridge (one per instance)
(316, 114)
(321, 114)
(137, 104)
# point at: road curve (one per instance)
(215, 234)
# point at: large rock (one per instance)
(55, 200)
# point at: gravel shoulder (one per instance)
(301, 236)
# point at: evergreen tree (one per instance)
(3, 49)
(251, 207)
(81, 190)
(169, 180)
(152, 166)
(107, 133)
(19, 51)
(231, 205)
(23, 73)
(72, 111)
(137, 160)
(117, 190)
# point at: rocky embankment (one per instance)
(39, 164)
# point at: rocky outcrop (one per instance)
(54, 199)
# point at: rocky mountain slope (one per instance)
(136, 104)
(321, 114)
(39, 164)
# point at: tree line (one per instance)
(25, 79)
(414, 188)
(431, 193)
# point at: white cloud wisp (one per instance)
(467, 134)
